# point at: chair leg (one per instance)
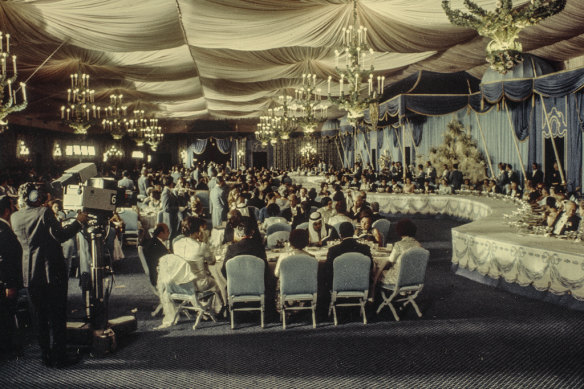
(157, 310)
(231, 315)
(283, 317)
(335, 315)
(416, 307)
(313, 316)
(199, 315)
(393, 311)
(363, 311)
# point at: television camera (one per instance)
(83, 191)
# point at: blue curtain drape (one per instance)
(223, 145)
(199, 146)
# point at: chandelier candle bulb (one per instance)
(1, 42)
(68, 111)
(23, 86)
(14, 64)
(10, 89)
(8, 43)
(62, 112)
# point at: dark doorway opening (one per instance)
(408, 158)
(260, 159)
(212, 153)
(374, 159)
(550, 156)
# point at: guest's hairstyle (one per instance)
(365, 212)
(273, 210)
(192, 224)
(247, 226)
(159, 229)
(406, 227)
(338, 196)
(167, 181)
(324, 201)
(550, 201)
(346, 229)
(455, 166)
(299, 238)
(312, 193)
(305, 206)
(341, 207)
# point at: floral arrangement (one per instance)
(458, 146)
(502, 26)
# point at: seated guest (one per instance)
(202, 184)
(294, 208)
(444, 187)
(568, 220)
(241, 206)
(155, 248)
(409, 186)
(375, 215)
(340, 214)
(428, 188)
(366, 232)
(550, 211)
(395, 187)
(152, 203)
(324, 191)
(466, 185)
(196, 207)
(234, 219)
(312, 198)
(126, 182)
(298, 241)
(326, 209)
(245, 243)
(514, 190)
(273, 215)
(406, 230)
(348, 245)
(270, 199)
(196, 251)
(255, 200)
(318, 232)
(303, 216)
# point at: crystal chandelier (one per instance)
(154, 134)
(115, 121)
(264, 132)
(307, 150)
(282, 121)
(308, 107)
(8, 97)
(358, 69)
(137, 127)
(81, 111)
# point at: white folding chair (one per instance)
(132, 225)
(147, 272)
(245, 284)
(298, 283)
(351, 273)
(410, 281)
(278, 227)
(302, 226)
(382, 225)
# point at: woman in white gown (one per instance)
(194, 249)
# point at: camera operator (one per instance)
(10, 279)
(45, 269)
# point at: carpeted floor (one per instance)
(471, 336)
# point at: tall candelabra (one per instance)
(115, 121)
(8, 98)
(358, 69)
(81, 112)
(154, 134)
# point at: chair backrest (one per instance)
(351, 272)
(302, 226)
(278, 236)
(159, 217)
(278, 227)
(382, 225)
(413, 265)
(203, 195)
(337, 227)
(143, 261)
(176, 239)
(130, 218)
(245, 275)
(298, 274)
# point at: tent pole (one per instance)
(339, 151)
(547, 119)
(403, 151)
(485, 144)
(515, 142)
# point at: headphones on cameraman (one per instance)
(31, 194)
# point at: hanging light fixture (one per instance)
(115, 121)
(154, 134)
(280, 121)
(264, 132)
(308, 107)
(8, 98)
(307, 150)
(137, 127)
(357, 70)
(81, 110)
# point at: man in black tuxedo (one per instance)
(455, 178)
(348, 245)
(536, 174)
(10, 278)
(567, 220)
(155, 248)
(170, 205)
(45, 269)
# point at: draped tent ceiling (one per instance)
(188, 60)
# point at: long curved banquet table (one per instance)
(487, 245)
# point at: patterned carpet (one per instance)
(471, 336)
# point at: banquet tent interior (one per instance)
(207, 71)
